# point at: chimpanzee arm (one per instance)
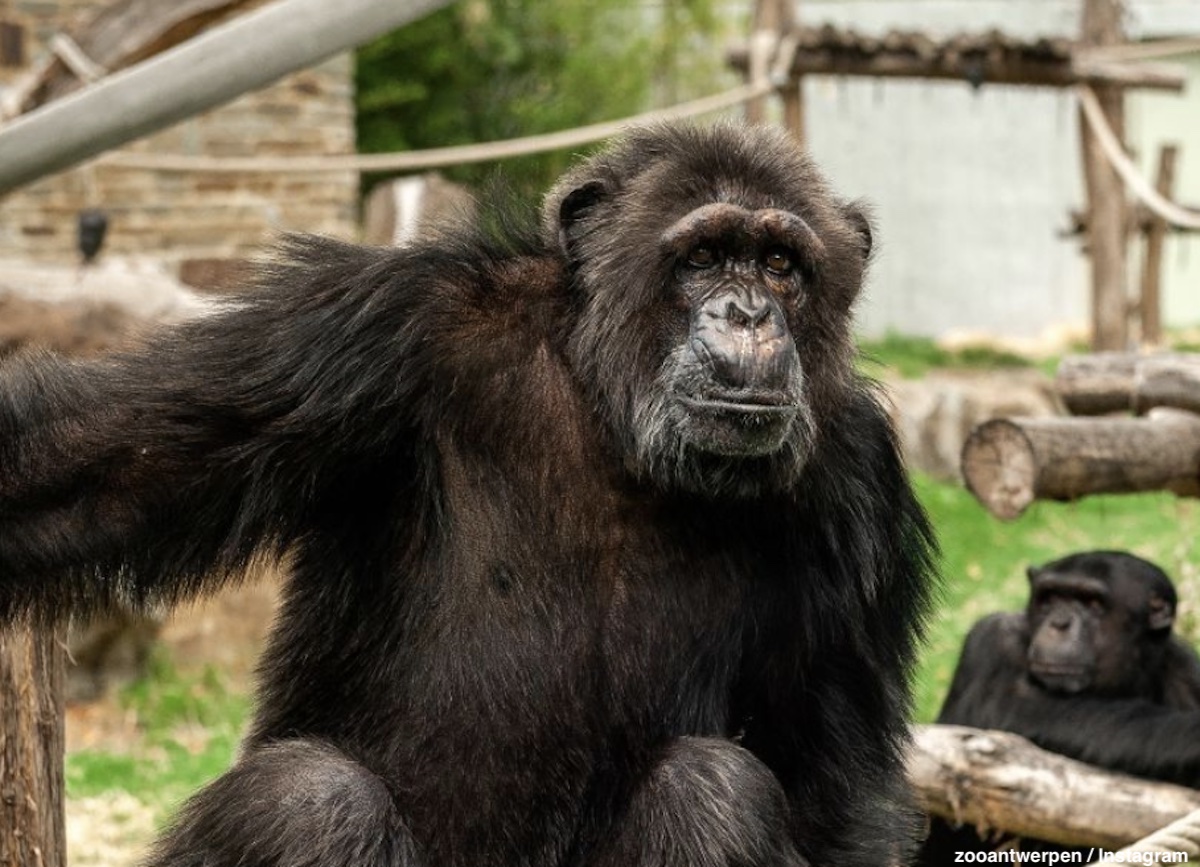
(991, 690)
(150, 475)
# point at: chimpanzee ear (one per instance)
(860, 220)
(574, 207)
(1161, 614)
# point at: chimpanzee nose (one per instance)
(747, 313)
(745, 342)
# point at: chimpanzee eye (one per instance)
(778, 260)
(702, 257)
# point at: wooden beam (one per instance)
(771, 19)
(1009, 463)
(969, 67)
(1150, 301)
(32, 824)
(999, 780)
(215, 67)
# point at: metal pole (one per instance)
(215, 67)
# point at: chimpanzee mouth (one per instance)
(765, 405)
(739, 424)
(1062, 678)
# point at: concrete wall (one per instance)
(971, 189)
(176, 217)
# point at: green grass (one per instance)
(190, 726)
(913, 357)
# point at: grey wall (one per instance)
(971, 189)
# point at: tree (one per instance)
(483, 70)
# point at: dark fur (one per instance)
(1138, 709)
(515, 634)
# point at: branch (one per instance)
(1000, 780)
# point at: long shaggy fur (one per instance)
(524, 625)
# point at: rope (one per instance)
(411, 161)
(1163, 207)
(1181, 836)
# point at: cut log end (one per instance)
(1000, 468)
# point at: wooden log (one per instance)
(1009, 463)
(32, 824)
(1000, 780)
(1181, 837)
(1150, 303)
(1105, 382)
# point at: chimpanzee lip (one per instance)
(770, 403)
(1041, 668)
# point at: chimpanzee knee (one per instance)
(290, 804)
(707, 803)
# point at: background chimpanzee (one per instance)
(602, 551)
(1090, 670)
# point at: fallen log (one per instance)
(1105, 382)
(1000, 780)
(1009, 463)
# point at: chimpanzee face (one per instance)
(1091, 625)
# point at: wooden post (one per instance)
(1106, 203)
(32, 825)
(772, 19)
(1150, 304)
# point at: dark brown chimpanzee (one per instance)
(1090, 670)
(602, 552)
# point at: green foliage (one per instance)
(484, 70)
(984, 560)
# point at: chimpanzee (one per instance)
(1090, 670)
(602, 552)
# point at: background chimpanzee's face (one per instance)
(1093, 625)
(716, 284)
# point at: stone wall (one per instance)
(180, 217)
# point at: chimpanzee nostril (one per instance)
(746, 314)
